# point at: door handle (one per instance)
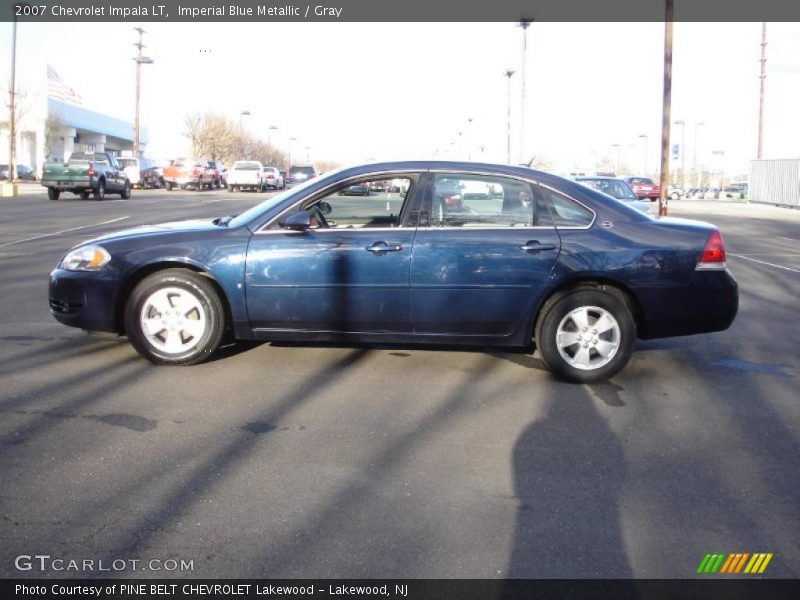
(536, 246)
(383, 247)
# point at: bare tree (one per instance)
(53, 126)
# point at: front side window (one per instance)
(460, 200)
(366, 203)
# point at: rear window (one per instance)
(306, 170)
(642, 180)
(246, 166)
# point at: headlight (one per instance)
(86, 258)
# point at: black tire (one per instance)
(556, 310)
(200, 185)
(126, 191)
(209, 301)
(159, 183)
(100, 192)
(53, 193)
(168, 185)
(230, 188)
(84, 195)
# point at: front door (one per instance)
(349, 272)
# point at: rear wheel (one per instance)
(175, 317)
(53, 193)
(585, 335)
(168, 185)
(100, 192)
(230, 188)
(126, 191)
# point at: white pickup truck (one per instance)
(246, 174)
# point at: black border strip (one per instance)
(415, 589)
(134, 11)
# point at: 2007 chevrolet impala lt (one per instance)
(455, 253)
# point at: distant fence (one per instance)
(775, 181)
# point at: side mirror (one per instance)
(299, 221)
(325, 208)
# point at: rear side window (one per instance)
(565, 211)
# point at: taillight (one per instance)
(713, 255)
(90, 172)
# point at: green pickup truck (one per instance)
(86, 173)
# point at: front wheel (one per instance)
(176, 317)
(53, 193)
(126, 191)
(586, 335)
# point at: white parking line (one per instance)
(44, 235)
(763, 262)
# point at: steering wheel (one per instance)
(317, 214)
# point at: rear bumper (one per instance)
(709, 303)
(85, 300)
(71, 184)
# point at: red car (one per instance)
(644, 187)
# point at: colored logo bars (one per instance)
(738, 562)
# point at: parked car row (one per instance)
(736, 191)
(24, 173)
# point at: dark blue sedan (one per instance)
(540, 260)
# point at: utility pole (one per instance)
(761, 96)
(12, 129)
(667, 106)
(524, 24)
(140, 60)
(508, 73)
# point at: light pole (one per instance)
(618, 147)
(140, 60)
(508, 73)
(524, 24)
(291, 139)
(721, 153)
(307, 149)
(644, 135)
(683, 149)
(697, 177)
(269, 134)
(244, 113)
(666, 109)
(469, 139)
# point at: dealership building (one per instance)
(53, 123)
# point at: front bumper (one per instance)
(84, 299)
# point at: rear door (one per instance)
(482, 255)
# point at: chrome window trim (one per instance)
(263, 228)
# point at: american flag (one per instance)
(59, 90)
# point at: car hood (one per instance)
(145, 230)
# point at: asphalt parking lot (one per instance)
(283, 460)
